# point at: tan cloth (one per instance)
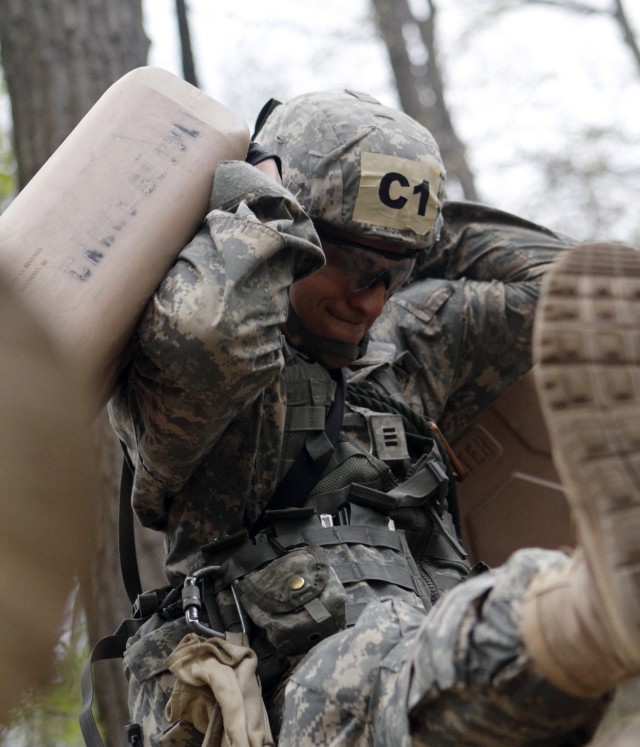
(218, 691)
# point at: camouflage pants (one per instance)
(459, 676)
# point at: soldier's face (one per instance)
(343, 299)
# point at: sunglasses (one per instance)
(365, 267)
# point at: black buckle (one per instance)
(133, 733)
(442, 482)
(149, 602)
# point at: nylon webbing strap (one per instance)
(126, 533)
(244, 562)
(111, 647)
(347, 534)
(263, 115)
(305, 472)
(354, 610)
(350, 573)
(310, 418)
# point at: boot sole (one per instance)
(587, 344)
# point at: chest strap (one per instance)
(306, 471)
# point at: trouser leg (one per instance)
(151, 685)
(457, 676)
(478, 685)
(147, 702)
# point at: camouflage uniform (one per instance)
(204, 414)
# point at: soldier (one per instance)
(278, 412)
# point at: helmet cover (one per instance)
(359, 167)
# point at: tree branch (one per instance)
(571, 5)
(188, 64)
(628, 36)
(617, 13)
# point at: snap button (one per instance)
(296, 582)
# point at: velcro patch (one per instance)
(397, 193)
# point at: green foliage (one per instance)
(7, 171)
(7, 160)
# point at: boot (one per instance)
(581, 621)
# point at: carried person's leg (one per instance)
(582, 623)
(460, 675)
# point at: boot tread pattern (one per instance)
(587, 344)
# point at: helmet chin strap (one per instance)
(315, 346)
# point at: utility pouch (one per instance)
(296, 599)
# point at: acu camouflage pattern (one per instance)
(465, 319)
(151, 683)
(320, 138)
(459, 676)
(295, 599)
(203, 414)
(209, 352)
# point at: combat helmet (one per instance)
(358, 166)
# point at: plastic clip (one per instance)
(133, 733)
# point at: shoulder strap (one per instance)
(294, 488)
(365, 394)
(264, 115)
(304, 473)
(126, 534)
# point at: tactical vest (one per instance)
(376, 524)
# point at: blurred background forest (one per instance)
(534, 104)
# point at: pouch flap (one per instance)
(287, 583)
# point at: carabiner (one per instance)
(192, 602)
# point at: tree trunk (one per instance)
(420, 84)
(188, 63)
(59, 56)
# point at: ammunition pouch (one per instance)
(296, 599)
(290, 593)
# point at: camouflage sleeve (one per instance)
(467, 318)
(497, 262)
(482, 243)
(209, 339)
